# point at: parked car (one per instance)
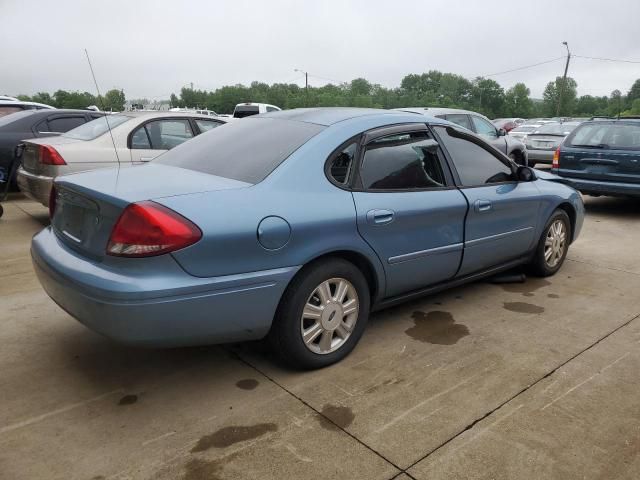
(543, 141)
(295, 225)
(211, 113)
(481, 125)
(34, 124)
(135, 138)
(13, 106)
(247, 109)
(520, 133)
(508, 124)
(602, 157)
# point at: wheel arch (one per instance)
(571, 212)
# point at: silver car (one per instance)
(543, 142)
(129, 138)
(479, 124)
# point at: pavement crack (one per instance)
(520, 392)
(319, 413)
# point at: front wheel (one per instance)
(322, 315)
(553, 245)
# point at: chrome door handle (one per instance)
(380, 217)
(146, 159)
(483, 205)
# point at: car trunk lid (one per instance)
(88, 205)
(544, 142)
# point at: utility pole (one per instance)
(306, 86)
(564, 79)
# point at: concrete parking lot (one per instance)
(534, 380)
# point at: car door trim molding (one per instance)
(478, 241)
(454, 247)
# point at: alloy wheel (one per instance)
(555, 243)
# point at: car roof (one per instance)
(166, 113)
(436, 110)
(331, 115)
(12, 103)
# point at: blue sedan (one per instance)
(294, 225)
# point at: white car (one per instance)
(138, 137)
(15, 105)
(521, 131)
(247, 109)
(211, 113)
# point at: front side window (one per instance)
(206, 125)
(404, 161)
(165, 134)
(475, 165)
(342, 164)
(483, 127)
(272, 109)
(460, 119)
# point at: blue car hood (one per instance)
(146, 182)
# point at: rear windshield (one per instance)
(606, 135)
(524, 128)
(97, 127)
(557, 128)
(246, 111)
(247, 151)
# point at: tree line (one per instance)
(433, 88)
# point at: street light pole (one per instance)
(564, 80)
(306, 85)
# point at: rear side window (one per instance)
(341, 166)
(475, 165)
(247, 151)
(618, 136)
(167, 134)
(64, 124)
(406, 161)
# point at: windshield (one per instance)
(557, 128)
(96, 128)
(247, 151)
(621, 136)
(524, 128)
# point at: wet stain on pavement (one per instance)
(522, 307)
(227, 436)
(553, 295)
(128, 400)
(197, 469)
(341, 417)
(529, 286)
(247, 384)
(436, 327)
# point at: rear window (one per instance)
(557, 128)
(617, 136)
(524, 129)
(245, 111)
(247, 151)
(97, 127)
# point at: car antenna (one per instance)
(102, 105)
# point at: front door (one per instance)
(500, 225)
(407, 209)
(489, 132)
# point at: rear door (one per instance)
(156, 136)
(407, 207)
(500, 225)
(605, 151)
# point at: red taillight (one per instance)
(50, 156)
(52, 201)
(147, 228)
(556, 159)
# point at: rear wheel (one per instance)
(553, 245)
(322, 315)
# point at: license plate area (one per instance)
(75, 216)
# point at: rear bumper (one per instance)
(541, 156)
(156, 303)
(36, 187)
(599, 187)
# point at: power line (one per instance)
(607, 59)
(523, 68)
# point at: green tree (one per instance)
(113, 100)
(517, 102)
(487, 97)
(42, 97)
(569, 93)
(634, 92)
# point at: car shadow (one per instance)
(617, 207)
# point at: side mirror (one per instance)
(502, 132)
(526, 174)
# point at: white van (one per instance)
(247, 109)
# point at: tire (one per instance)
(540, 265)
(337, 329)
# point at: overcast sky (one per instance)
(152, 48)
